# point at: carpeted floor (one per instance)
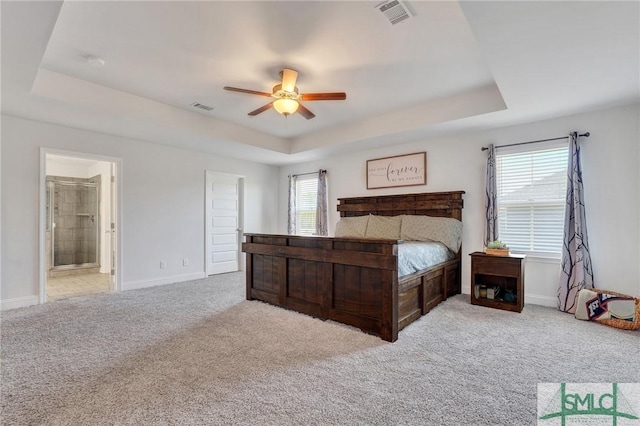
(198, 353)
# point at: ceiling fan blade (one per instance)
(305, 112)
(251, 92)
(336, 96)
(261, 109)
(289, 78)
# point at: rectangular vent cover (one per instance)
(202, 106)
(395, 11)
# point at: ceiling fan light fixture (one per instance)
(285, 106)
(286, 96)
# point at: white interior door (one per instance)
(223, 223)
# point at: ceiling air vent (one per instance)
(395, 11)
(202, 106)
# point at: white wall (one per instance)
(55, 167)
(163, 197)
(610, 160)
(162, 204)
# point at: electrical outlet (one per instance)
(163, 264)
(185, 262)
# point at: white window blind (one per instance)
(532, 188)
(306, 203)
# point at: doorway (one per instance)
(78, 225)
(223, 229)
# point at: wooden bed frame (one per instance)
(354, 281)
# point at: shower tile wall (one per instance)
(75, 232)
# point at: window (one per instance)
(532, 188)
(306, 202)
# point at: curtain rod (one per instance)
(586, 135)
(310, 173)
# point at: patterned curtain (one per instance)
(291, 221)
(491, 208)
(321, 209)
(576, 260)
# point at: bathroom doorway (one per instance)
(80, 244)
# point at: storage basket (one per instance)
(615, 322)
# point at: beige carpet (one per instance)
(197, 353)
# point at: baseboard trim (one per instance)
(135, 285)
(535, 299)
(18, 302)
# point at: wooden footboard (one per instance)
(351, 281)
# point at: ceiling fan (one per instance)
(287, 97)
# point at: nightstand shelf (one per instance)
(501, 275)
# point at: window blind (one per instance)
(306, 203)
(532, 188)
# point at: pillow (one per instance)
(609, 308)
(384, 227)
(446, 230)
(352, 227)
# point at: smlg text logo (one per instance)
(573, 404)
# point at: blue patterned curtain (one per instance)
(291, 221)
(491, 208)
(321, 209)
(577, 272)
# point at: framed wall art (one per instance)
(400, 170)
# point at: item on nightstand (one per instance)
(483, 291)
(497, 248)
(492, 292)
(480, 290)
(509, 296)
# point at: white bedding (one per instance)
(414, 256)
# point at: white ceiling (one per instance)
(452, 67)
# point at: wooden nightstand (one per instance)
(501, 275)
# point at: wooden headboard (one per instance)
(444, 204)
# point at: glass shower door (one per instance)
(74, 224)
